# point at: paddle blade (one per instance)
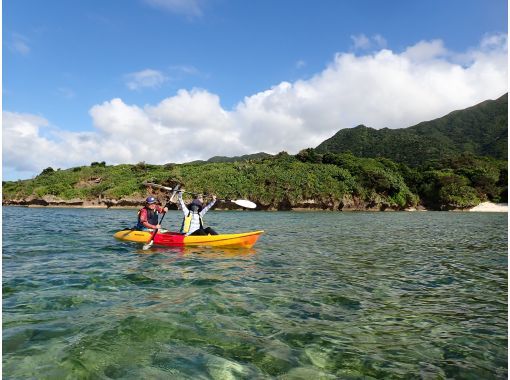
(148, 245)
(174, 192)
(158, 186)
(151, 242)
(244, 203)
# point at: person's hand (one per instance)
(214, 197)
(165, 209)
(158, 226)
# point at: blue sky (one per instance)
(173, 80)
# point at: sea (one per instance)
(322, 295)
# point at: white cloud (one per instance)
(19, 44)
(380, 41)
(185, 69)
(190, 8)
(23, 147)
(189, 126)
(362, 42)
(426, 50)
(494, 41)
(382, 89)
(145, 78)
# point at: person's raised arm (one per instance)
(182, 204)
(206, 208)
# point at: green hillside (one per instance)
(481, 130)
(307, 180)
(246, 157)
(274, 183)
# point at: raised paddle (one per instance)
(240, 202)
(151, 242)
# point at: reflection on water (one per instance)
(321, 295)
(208, 252)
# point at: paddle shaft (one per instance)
(189, 192)
(176, 189)
(151, 241)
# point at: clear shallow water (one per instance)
(321, 295)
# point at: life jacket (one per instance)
(152, 217)
(186, 222)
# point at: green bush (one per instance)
(48, 170)
(454, 195)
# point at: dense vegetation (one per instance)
(309, 179)
(456, 182)
(481, 130)
(454, 162)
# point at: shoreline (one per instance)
(482, 207)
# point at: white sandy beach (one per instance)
(490, 207)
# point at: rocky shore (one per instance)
(346, 204)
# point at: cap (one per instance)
(196, 202)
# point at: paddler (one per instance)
(192, 223)
(148, 216)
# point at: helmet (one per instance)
(195, 205)
(150, 200)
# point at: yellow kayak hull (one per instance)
(172, 239)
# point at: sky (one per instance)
(161, 81)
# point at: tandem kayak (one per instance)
(174, 239)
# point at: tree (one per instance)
(48, 170)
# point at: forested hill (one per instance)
(246, 157)
(481, 130)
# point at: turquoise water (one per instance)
(322, 295)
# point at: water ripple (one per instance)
(322, 295)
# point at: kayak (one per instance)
(174, 239)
